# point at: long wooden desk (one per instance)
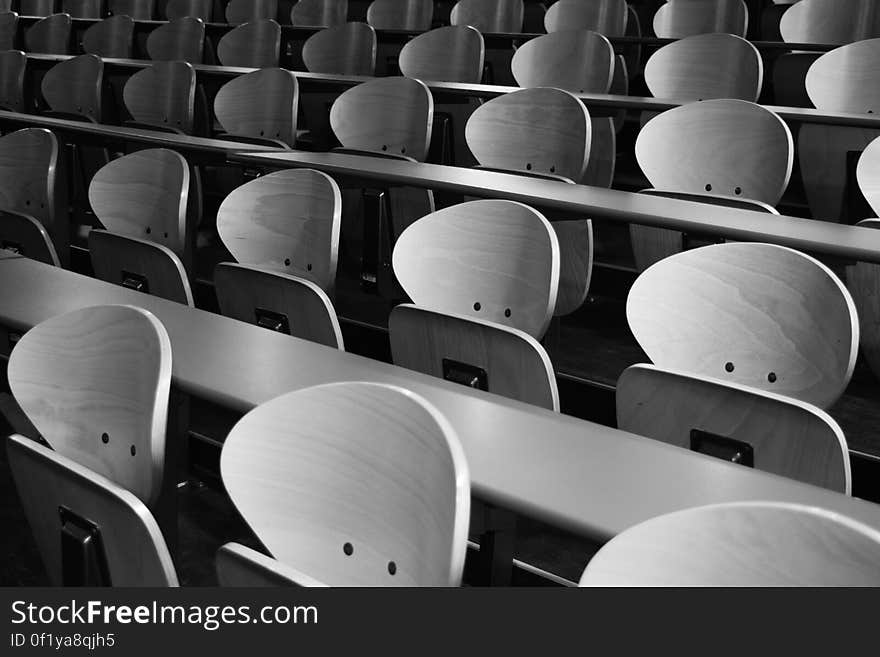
(587, 478)
(848, 242)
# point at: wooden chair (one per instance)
(348, 49)
(757, 315)
(489, 16)
(36, 7)
(51, 35)
(163, 95)
(842, 80)
(33, 185)
(446, 54)
(723, 152)
(683, 18)
(202, 9)
(253, 45)
(736, 423)
(389, 488)
(74, 87)
(319, 13)
(112, 37)
(139, 10)
(607, 17)
(12, 68)
(8, 30)
(272, 120)
(83, 8)
(182, 39)
(831, 21)
(239, 12)
(706, 66)
(740, 544)
(483, 277)
(413, 15)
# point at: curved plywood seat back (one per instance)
(414, 15)
(348, 49)
(133, 545)
(863, 282)
(112, 37)
(447, 54)
(515, 364)
(489, 16)
(706, 66)
(392, 115)
(724, 147)
(683, 18)
(830, 21)
(260, 104)
(785, 436)
(253, 45)
(36, 7)
(28, 237)
(12, 68)
(144, 195)
(847, 79)
(139, 10)
(245, 11)
(83, 8)
(541, 130)
(50, 35)
(288, 304)
(740, 544)
(758, 315)
(8, 29)
(319, 13)
(74, 86)
(95, 384)
(496, 261)
(389, 487)
(182, 39)
(607, 17)
(868, 175)
(203, 9)
(163, 94)
(578, 61)
(286, 221)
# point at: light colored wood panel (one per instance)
(253, 45)
(868, 174)
(414, 15)
(847, 79)
(830, 21)
(95, 384)
(75, 86)
(238, 565)
(575, 264)
(541, 130)
(741, 544)
(163, 94)
(139, 10)
(788, 437)
(244, 11)
(203, 9)
(319, 13)
(112, 37)
(348, 49)
(578, 61)
(27, 236)
(287, 221)
(51, 35)
(260, 104)
(726, 147)
(242, 291)
(863, 282)
(490, 16)
(706, 66)
(392, 115)
(447, 54)
(607, 17)
(134, 547)
(144, 195)
(495, 261)
(758, 315)
(12, 67)
(83, 8)
(182, 39)
(515, 364)
(364, 465)
(117, 258)
(8, 29)
(683, 18)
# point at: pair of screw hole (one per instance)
(105, 438)
(737, 190)
(348, 549)
(478, 307)
(771, 377)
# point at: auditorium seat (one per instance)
(83, 8)
(12, 67)
(683, 18)
(724, 152)
(182, 39)
(272, 120)
(37, 7)
(245, 11)
(319, 13)
(8, 30)
(489, 16)
(139, 10)
(201, 9)
(51, 35)
(162, 97)
(483, 277)
(26, 236)
(389, 488)
(347, 49)
(740, 544)
(607, 17)
(413, 15)
(74, 88)
(830, 21)
(95, 383)
(112, 37)
(256, 44)
(447, 54)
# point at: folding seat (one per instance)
(256, 44)
(182, 39)
(245, 11)
(489, 16)
(139, 10)
(51, 35)
(389, 490)
(413, 15)
(319, 13)
(347, 49)
(112, 37)
(683, 18)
